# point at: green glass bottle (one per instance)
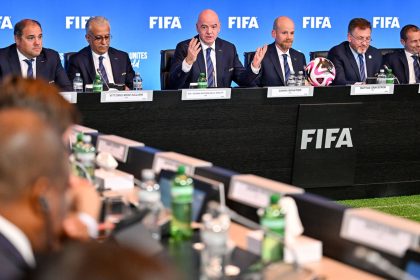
(97, 84)
(389, 76)
(182, 196)
(202, 81)
(274, 223)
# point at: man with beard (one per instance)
(355, 59)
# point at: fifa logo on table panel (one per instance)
(326, 138)
(243, 22)
(164, 22)
(316, 22)
(76, 22)
(385, 22)
(6, 22)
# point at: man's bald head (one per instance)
(208, 26)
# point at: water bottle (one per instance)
(149, 198)
(273, 221)
(78, 83)
(97, 84)
(381, 79)
(214, 235)
(300, 80)
(291, 82)
(137, 82)
(389, 76)
(85, 154)
(202, 81)
(182, 196)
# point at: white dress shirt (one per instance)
(411, 73)
(107, 64)
(356, 57)
(24, 66)
(289, 61)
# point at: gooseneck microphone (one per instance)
(102, 78)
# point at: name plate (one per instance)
(206, 93)
(117, 146)
(172, 160)
(301, 91)
(390, 234)
(255, 191)
(371, 89)
(70, 96)
(127, 96)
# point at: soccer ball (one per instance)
(320, 72)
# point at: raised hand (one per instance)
(194, 48)
(258, 57)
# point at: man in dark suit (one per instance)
(206, 53)
(33, 185)
(281, 59)
(29, 59)
(405, 62)
(355, 60)
(114, 66)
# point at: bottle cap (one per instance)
(274, 199)
(77, 74)
(147, 174)
(181, 170)
(87, 138)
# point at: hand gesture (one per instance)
(258, 57)
(194, 47)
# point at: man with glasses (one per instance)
(206, 53)
(114, 66)
(405, 62)
(27, 58)
(355, 60)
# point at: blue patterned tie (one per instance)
(210, 69)
(102, 69)
(416, 67)
(362, 68)
(286, 69)
(30, 73)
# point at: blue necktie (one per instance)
(210, 69)
(102, 69)
(286, 69)
(416, 67)
(30, 73)
(362, 68)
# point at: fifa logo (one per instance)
(5, 22)
(386, 22)
(76, 22)
(243, 22)
(327, 138)
(164, 22)
(316, 22)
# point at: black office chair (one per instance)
(165, 65)
(315, 54)
(67, 56)
(384, 52)
(248, 57)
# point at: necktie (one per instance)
(362, 68)
(286, 69)
(102, 69)
(416, 67)
(210, 69)
(30, 73)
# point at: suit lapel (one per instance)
(219, 62)
(90, 64)
(295, 63)
(14, 61)
(404, 62)
(369, 63)
(41, 66)
(115, 65)
(353, 63)
(274, 57)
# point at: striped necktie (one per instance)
(286, 69)
(30, 73)
(210, 69)
(416, 67)
(362, 68)
(102, 69)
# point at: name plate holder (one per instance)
(206, 93)
(255, 191)
(372, 89)
(126, 96)
(381, 231)
(172, 160)
(70, 96)
(115, 145)
(300, 91)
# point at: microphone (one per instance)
(395, 77)
(378, 261)
(102, 78)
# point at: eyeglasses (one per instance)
(362, 39)
(100, 38)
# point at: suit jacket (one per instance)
(48, 66)
(82, 62)
(12, 264)
(228, 67)
(346, 69)
(398, 62)
(271, 73)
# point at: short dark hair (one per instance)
(360, 23)
(18, 31)
(406, 29)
